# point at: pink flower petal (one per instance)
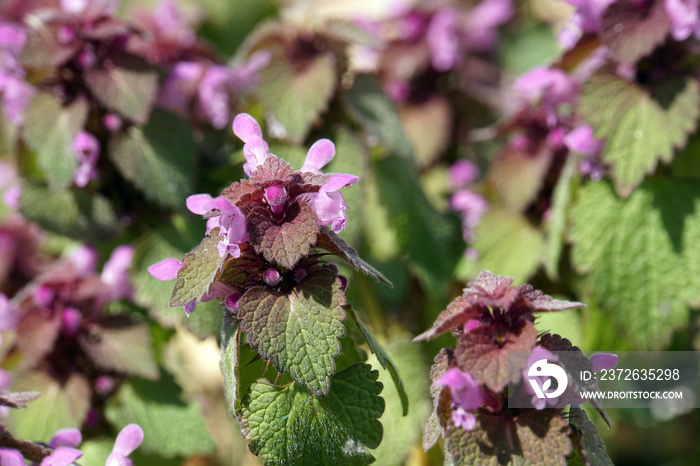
(165, 270)
(602, 361)
(66, 438)
(338, 181)
(245, 127)
(62, 457)
(196, 202)
(11, 457)
(128, 440)
(320, 153)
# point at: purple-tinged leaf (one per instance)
(531, 437)
(17, 400)
(297, 91)
(458, 312)
(273, 170)
(485, 355)
(640, 128)
(433, 428)
(332, 243)
(587, 442)
(159, 159)
(127, 84)
(299, 330)
(243, 193)
(200, 268)
(63, 404)
(49, 130)
(632, 29)
(119, 345)
(287, 243)
(37, 332)
(42, 50)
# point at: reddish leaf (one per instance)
(433, 428)
(274, 170)
(201, 266)
(485, 355)
(286, 243)
(631, 31)
(458, 312)
(37, 332)
(243, 193)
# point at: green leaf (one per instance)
(431, 240)
(640, 128)
(533, 437)
(518, 176)
(159, 159)
(298, 329)
(61, 405)
(686, 163)
(170, 426)
(121, 346)
(128, 86)
(49, 130)
(641, 255)
(508, 243)
(297, 92)
(230, 348)
(200, 268)
(383, 359)
(77, 214)
(290, 426)
(370, 106)
(331, 242)
(587, 441)
(428, 127)
(556, 223)
(287, 243)
(172, 240)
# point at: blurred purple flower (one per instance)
(89, 10)
(213, 96)
(112, 122)
(471, 207)
(16, 95)
(9, 315)
(551, 86)
(244, 76)
(461, 173)
(483, 19)
(66, 438)
(84, 258)
(127, 441)
(466, 395)
(166, 25)
(71, 319)
(115, 273)
(582, 141)
(328, 204)
(86, 149)
(12, 39)
(684, 16)
(586, 19)
(443, 37)
(9, 183)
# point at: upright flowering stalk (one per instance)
(263, 258)
(472, 384)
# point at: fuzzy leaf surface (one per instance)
(77, 214)
(198, 273)
(587, 441)
(641, 254)
(536, 437)
(287, 243)
(299, 329)
(641, 128)
(331, 242)
(298, 92)
(61, 405)
(632, 32)
(481, 354)
(128, 86)
(158, 159)
(49, 130)
(290, 426)
(383, 359)
(170, 426)
(121, 346)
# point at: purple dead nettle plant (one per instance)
(494, 326)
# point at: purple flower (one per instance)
(443, 37)
(84, 259)
(11, 457)
(484, 18)
(213, 96)
(66, 438)
(127, 441)
(328, 204)
(16, 95)
(537, 354)
(585, 20)
(276, 197)
(9, 182)
(86, 149)
(551, 86)
(8, 314)
(89, 10)
(179, 85)
(255, 149)
(461, 173)
(467, 395)
(244, 76)
(319, 155)
(114, 273)
(582, 141)
(603, 361)
(232, 223)
(684, 18)
(471, 207)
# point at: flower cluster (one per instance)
(497, 343)
(251, 217)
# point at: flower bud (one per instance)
(70, 319)
(231, 303)
(276, 196)
(272, 277)
(299, 274)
